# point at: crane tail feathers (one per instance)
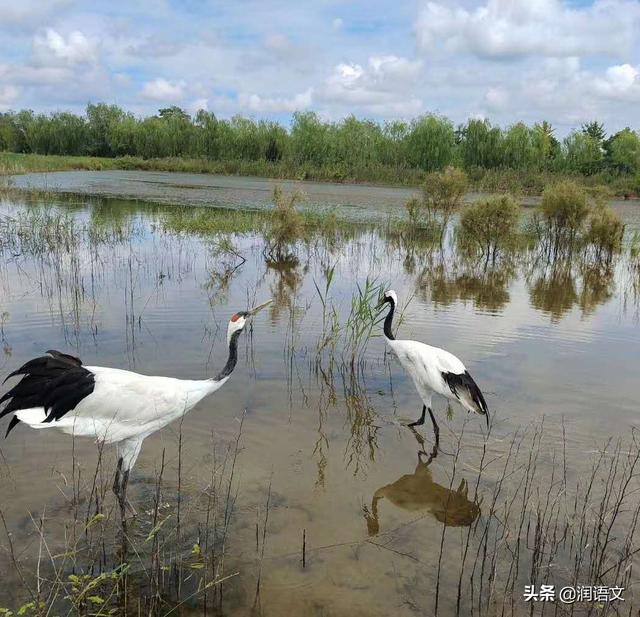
(14, 422)
(56, 382)
(466, 390)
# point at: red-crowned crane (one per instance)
(433, 370)
(111, 405)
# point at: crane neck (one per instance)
(388, 322)
(232, 359)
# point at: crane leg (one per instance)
(128, 451)
(436, 428)
(120, 486)
(420, 422)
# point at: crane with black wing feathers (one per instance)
(434, 371)
(111, 405)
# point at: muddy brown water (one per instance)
(385, 523)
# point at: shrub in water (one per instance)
(564, 210)
(604, 232)
(490, 224)
(286, 224)
(443, 193)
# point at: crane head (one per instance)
(239, 320)
(237, 323)
(390, 297)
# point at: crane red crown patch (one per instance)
(235, 317)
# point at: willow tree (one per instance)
(430, 143)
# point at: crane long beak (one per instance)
(258, 308)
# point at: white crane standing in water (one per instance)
(433, 370)
(111, 405)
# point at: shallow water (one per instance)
(558, 347)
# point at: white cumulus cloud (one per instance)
(511, 28)
(257, 103)
(164, 91)
(620, 82)
(76, 48)
(380, 87)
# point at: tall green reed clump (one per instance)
(365, 315)
(285, 225)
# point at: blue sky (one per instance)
(508, 60)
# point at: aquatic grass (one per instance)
(365, 315)
(330, 318)
(211, 221)
(45, 230)
(101, 565)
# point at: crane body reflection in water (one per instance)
(418, 492)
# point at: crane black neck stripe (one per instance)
(388, 321)
(232, 359)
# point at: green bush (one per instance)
(564, 209)
(443, 192)
(605, 232)
(285, 225)
(490, 224)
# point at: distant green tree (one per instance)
(275, 140)
(13, 130)
(583, 153)
(247, 145)
(623, 151)
(430, 143)
(595, 130)
(518, 146)
(102, 118)
(122, 136)
(208, 133)
(6, 131)
(546, 145)
(357, 142)
(481, 145)
(393, 148)
(59, 133)
(310, 139)
(173, 112)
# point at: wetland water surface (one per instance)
(389, 526)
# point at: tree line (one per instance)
(428, 143)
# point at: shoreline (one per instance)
(492, 181)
